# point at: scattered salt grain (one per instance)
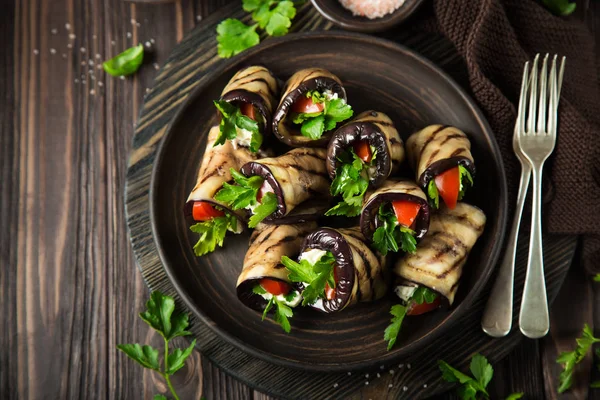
(152, 41)
(64, 55)
(379, 376)
(390, 385)
(349, 373)
(82, 76)
(94, 37)
(54, 31)
(112, 42)
(382, 367)
(52, 51)
(82, 49)
(76, 80)
(91, 62)
(198, 17)
(98, 56)
(156, 66)
(100, 84)
(83, 63)
(424, 385)
(400, 365)
(92, 92)
(371, 8)
(99, 66)
(72, 36)
(147, 44)
(133, 21)
(69, 46)
(83, 82)
(93, 77)
(138, 24)
(36, 52)
(128, 35)
(408, 366)
(366, 375)
(405, 388)
(67, 26)
(335, 385)
(392, 371)
(122, 78)
(367, 383)
(147, 90)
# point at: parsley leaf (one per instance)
(161, 317)
(433, 194)
(391, 332)
(159, 397)
(258, 289)
(273, 16)
(515, 396)
(313, 276)
(597, 278)
(571, 358)
(267, 206)
(234, 37)
(390, 233)
(282, 312)
(470, 386)
(314, 125)
(125, 63)
(344, 209)
(560, 7)
(243, 193)
(481, 369)
(351, 182)
(465, 179)
(595, 385)
(212, 233)
(232, 119)
(313, 128)
(424, 295)
(337, 110)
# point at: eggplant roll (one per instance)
(378, 131)
(440, 257)
(436, 149)
(390, 191)
(215, 170)
(359, 272)
(296, 177)
(268, 244)
(254, 85)
(298, 86)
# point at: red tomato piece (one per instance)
(204, 211)
(448, 185)
(363, 150)
(275, 287)
(264, 189)
(329, 292)
(305, 105)
(247, 109)
(406, 212)
(418, 309)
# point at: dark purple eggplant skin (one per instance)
(443, 165)
(243, 96)
(369, 220)
(253, 300)
(352, 132)
(321, 84)
(310, 210)
(256, 169)
(187, 212)
(331, 240)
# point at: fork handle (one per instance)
(534, 319)
(498, 314)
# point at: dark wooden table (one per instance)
(69, 288)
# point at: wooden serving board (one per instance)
(418, 375)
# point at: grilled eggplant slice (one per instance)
(395, 191)
(437, 149)
(441, 255)
(214, 171)
(255, 85)
(301, 83)
(378, 131)
(360, 273)
(268, 244)
(298, 177)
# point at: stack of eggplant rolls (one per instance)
(336, 217)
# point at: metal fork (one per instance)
(497, 317)
(537, 143)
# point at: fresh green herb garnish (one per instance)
(560, 7)
(212, 233)
(268, 205)
(464, 178)
(351, 181)
(515, 396)
(234, 37)
(313, 125)
(314, 276)
(597, 278)
(159, 315)
(471, 386)
(125, 63)
(433, 194)
(424, 295)
(571, 358)
(282, 313)
(391, 332)
(243, 193)
(387, 236)
(273, 16)
(232, 119)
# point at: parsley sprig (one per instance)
(421, 295)
(161, 317)
(313, 276)
(212, 233)
(597, 278)
(268, 205)
(232, 119)
(351, 182)
(387, 237)
(570, 359)
(313, 125)
(274, 16)
(560, 7)
(472, 387)
(465, 179)
(125, 63)
(282, 310)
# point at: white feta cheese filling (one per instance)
(243, 138)
(312, 255)
(405, 292)
(329, 95)
(293, 303)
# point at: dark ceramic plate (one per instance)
(336, 13)
(377, 75)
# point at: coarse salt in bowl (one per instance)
(371, 8)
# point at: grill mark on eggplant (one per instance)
(211, 174)
(306, 170)
(431, 138)
(279, 266)
(270, 91)
(450, 137)
(433, 155)
(457, 152)
(266, 235)
(284, 239)
(457, 264)
(394, 141)
(377, 122)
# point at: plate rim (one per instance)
(425, 340)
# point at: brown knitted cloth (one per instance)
(495, 38)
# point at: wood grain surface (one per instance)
(70, 289)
